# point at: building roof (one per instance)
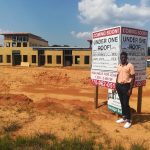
(24, 33)
(61, 48)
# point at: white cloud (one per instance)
(81, 35)
(100, 13)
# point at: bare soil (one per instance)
(61, 101)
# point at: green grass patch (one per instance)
(73, 144)
(6, 143)
(100, 146)
(44, 142)
(30, 143)
(46, 136)
(118, 147)
(138, 146)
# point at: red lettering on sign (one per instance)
(108, 32)
(132, 31)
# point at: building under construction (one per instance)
(31, 50)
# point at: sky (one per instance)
(71, 22)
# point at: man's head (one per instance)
(123, 58)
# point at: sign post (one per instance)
(139, 102)
(107, 45)
(96, 96)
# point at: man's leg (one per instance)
(126, 98)
(120, 91)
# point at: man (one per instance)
(124, 84)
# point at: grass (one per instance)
(73, 144)
(100, 146)
(139, 146)
(30, 143)
(44, 142)
(6, 143)
(118, 147)
(48, 141)
(46, 136)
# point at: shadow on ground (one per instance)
(141, 118)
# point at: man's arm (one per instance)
(117, 79)
(131, 84)
(116, 83)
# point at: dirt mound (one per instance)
(50, 105)
(74, 107)
(15, 111)
(15, 100)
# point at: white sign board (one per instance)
(114, 102)
(105, 51)
(107, 45)
(134, 42)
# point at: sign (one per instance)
(114, 102)
(104, 78)
(107, 45)
(105, 51)
(134, 42)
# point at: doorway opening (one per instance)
(16, 58)
(41, 58)
(68, 59)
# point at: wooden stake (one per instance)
(139, 102)
(96, 96)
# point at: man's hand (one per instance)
(114, 90)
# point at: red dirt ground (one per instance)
(61, 101)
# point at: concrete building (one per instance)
(32, 50)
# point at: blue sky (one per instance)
(71, 21)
